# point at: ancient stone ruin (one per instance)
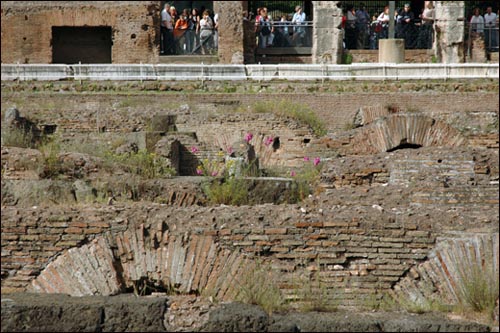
(385, 193)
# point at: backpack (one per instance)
(264, 30)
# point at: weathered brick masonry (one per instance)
(355, 247)
(75, 112)
(27, 28)
(380, 221)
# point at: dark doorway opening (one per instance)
(405, 145)
(88, 45)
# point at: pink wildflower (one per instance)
(194, 149)
(306, 159)
(230, 150)
(292, 173)
(269, 140)
(214, 173)
(199, 172)
(248, 137)
(317, 160)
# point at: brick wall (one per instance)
(337, 108)
(27, 28)
(357, 253)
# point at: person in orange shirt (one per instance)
(180, 29)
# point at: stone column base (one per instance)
(391, 50)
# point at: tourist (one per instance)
(299, 19)
(282, 33)
(180, 29)
(206, 31)
(477, 23)
(407, 29)
(490, 30)
(426, 28)
(264, 29)
(351, 32)
(173, 14)
(166, 27)
(383, 19)
(362, 25)
(194, 27)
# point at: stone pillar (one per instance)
(230, 30)
(449, 31)
(391, 50)
(327, 37)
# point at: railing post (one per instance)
(202, 74)
(80, 71)
(17, 70)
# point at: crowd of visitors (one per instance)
(192, 32)
(282, 31)
(196, 31)
(485, 27)
(364, 32)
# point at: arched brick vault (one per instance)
(391, 131)
(198, 263)
(446, 264)
(189, 263)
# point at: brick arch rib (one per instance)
(389, 132)
(189, 264)
(447, 264)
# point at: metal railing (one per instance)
(488, 33)
(415, 34)
(190, 42)
(286, 34)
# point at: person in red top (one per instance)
(180, 29)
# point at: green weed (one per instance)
(258, 285)
(478, 287)
(143, 163)
(299, 112)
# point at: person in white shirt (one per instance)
(477, 22)
(166, 27)
(298, 19)
(383, 20)
(426, 31)
(490, 30)
(206, 32)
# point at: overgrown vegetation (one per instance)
(299, 112)
(142, 163)
(259, 286)
(478, 287)
(227, 190)
(306, 180)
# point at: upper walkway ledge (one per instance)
(216, 72)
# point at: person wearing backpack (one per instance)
(265, 29)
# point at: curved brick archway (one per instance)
(391, 131)
(190, 264)
(446, 265)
